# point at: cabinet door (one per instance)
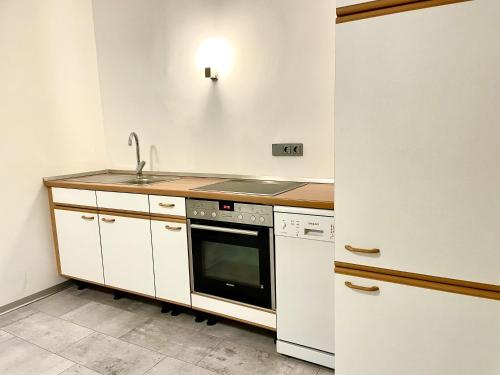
(127, 253)
(417, 172)
(171, 261)
(413, 331)
(79, 245)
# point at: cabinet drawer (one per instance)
(74, 197)
(165, 205)
(407, 330)
(123, 201)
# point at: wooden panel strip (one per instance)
(383, 7)
(108, 287)
(74, 207)
(371, 5)
(123, 213)
(418, 276)
(54, 231)
(172, 219)
(419, 283)
(235, 319)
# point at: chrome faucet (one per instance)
(140, 164)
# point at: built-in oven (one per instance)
(231, 249)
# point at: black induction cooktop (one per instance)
(254, 187)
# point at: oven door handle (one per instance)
(225, 230)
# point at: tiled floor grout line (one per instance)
(144, 317)
(45, 349)
(210, 352)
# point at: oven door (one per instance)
(233, 261)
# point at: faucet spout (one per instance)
(140, 164)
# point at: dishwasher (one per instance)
(304, 248)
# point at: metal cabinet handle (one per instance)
(108, 220)
(166, 205)
(173, 229)
(363, 288)
(88, 217)
(362, 251)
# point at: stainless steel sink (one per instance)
(120, 178)
(146, 180)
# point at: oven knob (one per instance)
(240, 217)
(202, 213)
(262, 219)
(195, 212)
(252, 218)
(214, 214)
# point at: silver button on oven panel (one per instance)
(243, 213)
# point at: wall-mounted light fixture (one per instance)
(211, 73)
(216, 57)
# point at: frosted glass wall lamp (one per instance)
(216, 57)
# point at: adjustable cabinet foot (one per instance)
(165, 307)
(211, 321)
(200, 317)
(117, 295)
(176, 311)
(81, 285)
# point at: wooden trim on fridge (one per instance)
(418, 276)
(54, 231)
(468, 291)
(379, 8)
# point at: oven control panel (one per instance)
(230, 212)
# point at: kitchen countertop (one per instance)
(311, 195)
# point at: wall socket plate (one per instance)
(288, 149)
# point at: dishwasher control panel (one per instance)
(320, 228)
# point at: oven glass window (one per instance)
(231, 263)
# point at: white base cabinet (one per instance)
(127, 254)
(171, 261)
(79, 245)
(407, 330)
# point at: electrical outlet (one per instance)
(288, 149)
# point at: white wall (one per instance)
(50, 122)
(279, 90)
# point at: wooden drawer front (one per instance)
(413, 331)
(164, 205)
(123, 201)
(417, 175)
(74, 197)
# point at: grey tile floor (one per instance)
(87, 332)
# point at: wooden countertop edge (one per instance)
(418, 280)
(277, 200)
